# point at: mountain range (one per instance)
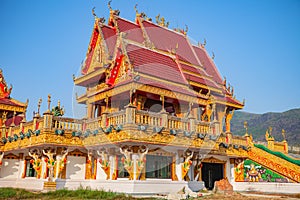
(259, 123)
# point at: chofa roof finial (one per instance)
(135, 8)
(108, 4)
(93, 12)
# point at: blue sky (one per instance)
(256, 45)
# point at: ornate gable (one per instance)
(4, 90)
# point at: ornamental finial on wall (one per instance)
(246, 127)
(283, 134)
(161, 21)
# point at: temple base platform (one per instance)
(146, 187)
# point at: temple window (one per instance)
(30, 172)
(158, 167)
(122, 172)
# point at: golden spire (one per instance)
(49, 101)
(39, 106)
(283, 134)
(246, 127)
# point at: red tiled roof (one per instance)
(155, 83)
(8, 102)
(166, 40)
(110, 38)
(165, 86)
(199, 73)
(191, 69)
(208, 64)
(229, 99)
(154, 64)
(132, 30)
(200, 80)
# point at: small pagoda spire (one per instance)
(49, 101)
(39, 106)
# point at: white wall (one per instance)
(10, 168)
(284, 188)
(75, 167)
(101, 175)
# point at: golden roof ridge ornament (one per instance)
(49, 101)
(161, 21)
(112, 15)
(108, 4)
(182, 31)
(114, 12)
(203, 44)
(186, 29)
(141, 15)
(4, 91)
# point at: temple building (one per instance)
(157, 120)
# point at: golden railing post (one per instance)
(48, 118)
(104, 118)
(130, 111)
(10, 130)
(192, 123)
(164, 117)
